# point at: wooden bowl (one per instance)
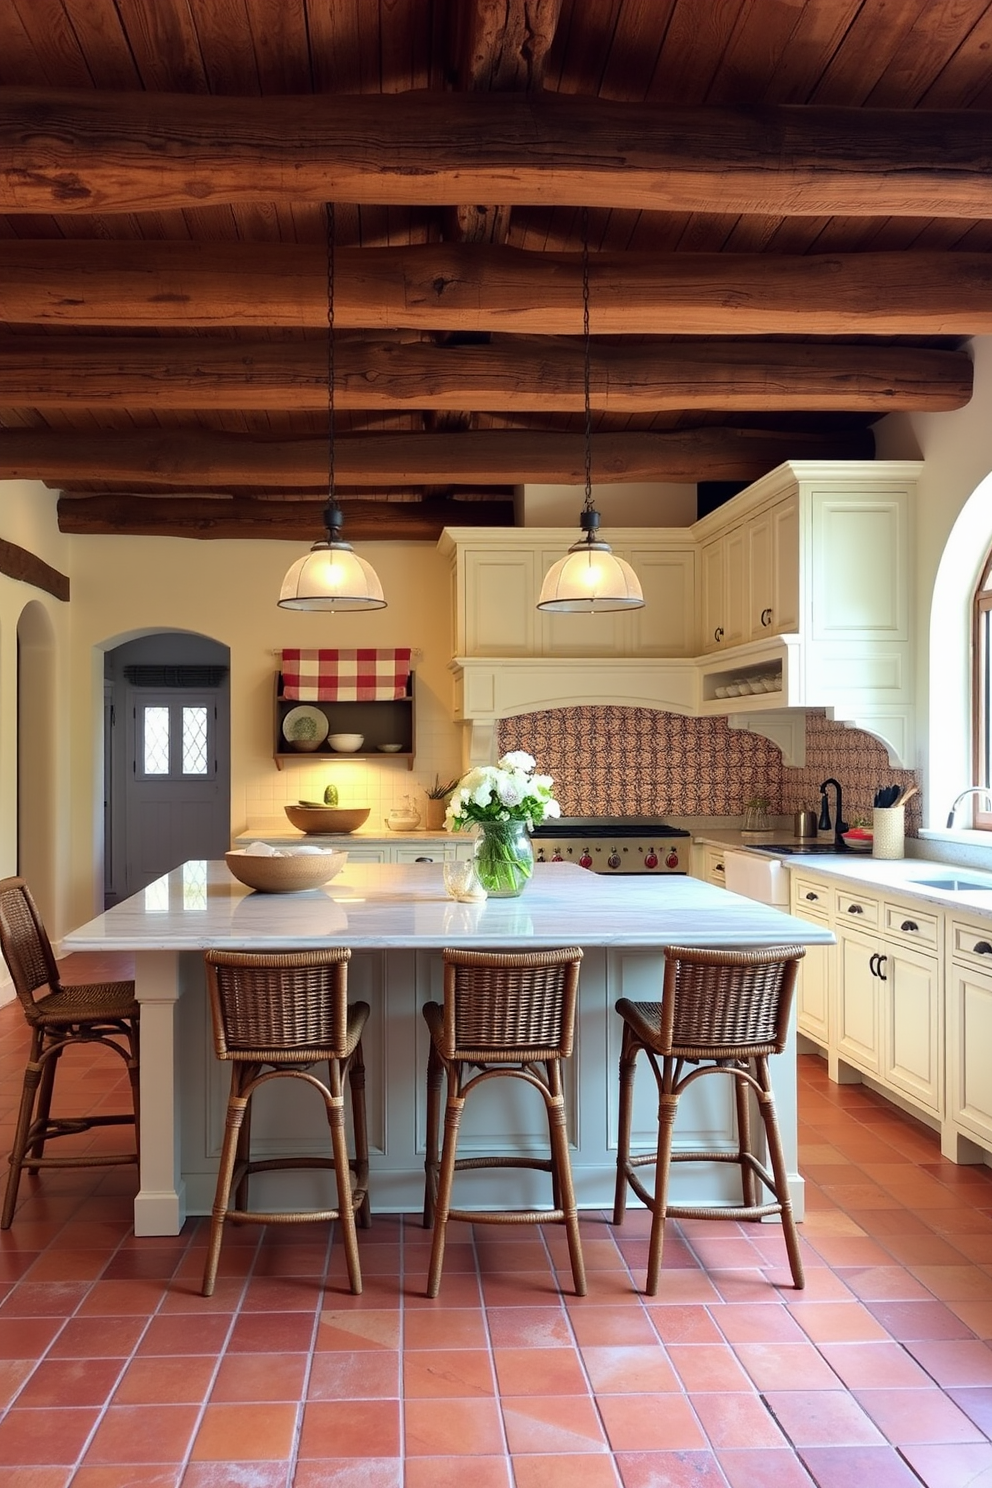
(288, 875)
(327, 818)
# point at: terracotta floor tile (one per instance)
(917, 1416)
(339, 1375)
(35, 1477)
(908, 1321)
(347, 1472)
(737, 1419)
(956, 1283)
(740, 1323)
(623, 1370)
(453, 1373)
(351, 1428)
(779, 1366)
(27, 1338)
(966, 1466)
(675, 1323)
(272, 1333)
(525, 1371)
(371, 1329)
(60, 1382)
(977, 1406)
(669, 1470)
(822, 1418)
(143, 1433)
(962, 1362)
(644, 1423)
(707, 1366)
(836, 1322)
(448, 1327)
(229, 1433)
(177, 1380)
(852, 1467)
(45, 1437)
(449, 1472)
(875, 1365)
(572, 1471)
(91, 1338)
(13, 1373)
(246, 1378)
(763, 1469)
(515, 1327)
(885, 1284)
(552, 1424)
(236, 1475)
(683, 1287)
(452, 1428)
(137, 1477)
(282, 1294)
(604, 1325)
(43, 1298)
(977, 1316)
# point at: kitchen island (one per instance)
(396, 919)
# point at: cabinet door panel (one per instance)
(857, 1002)
(859, 555)
(579, 634)
(499, 590)
(970, 1053)
(912, 1059)
(813, 1015)
(666, 625)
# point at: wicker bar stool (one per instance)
(59, 1016)
(505, 1014)
(723, 1012)
(275, 1017)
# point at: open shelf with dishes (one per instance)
(303, 730)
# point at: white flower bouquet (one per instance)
(505, 801)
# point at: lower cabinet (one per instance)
(858, 989)
(813, 991)
(969, 1031)
(911, 1034)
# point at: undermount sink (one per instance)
(954, 885)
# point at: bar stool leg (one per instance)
(452, 1121)
(236, 1106)
(43, 1108)
(628, 1070)
(561, 1168)
(29, 1089)
(776, 1157)
(346, 1212)
(356, 1082)
(435, 1080)
(745, 1148)
(668, 1105)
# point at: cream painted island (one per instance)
(396, 919)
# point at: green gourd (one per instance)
(331, 795)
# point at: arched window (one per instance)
(981, 727)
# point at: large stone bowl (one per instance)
(285, 875)
(328, 818)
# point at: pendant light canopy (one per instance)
(590, 577)
(331, 576)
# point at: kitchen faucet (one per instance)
(973, 790)
(840, 825)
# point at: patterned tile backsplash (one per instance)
(635, 761)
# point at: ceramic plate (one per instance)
(296, 724)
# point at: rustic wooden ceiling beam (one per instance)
(98, 151)
(296, 521)
(173, 458)
(514, 375)
(477, 287)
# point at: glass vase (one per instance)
(504, 858)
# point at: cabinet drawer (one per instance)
(905, 923)
(971, 943)
(856, 909)
(810, 899)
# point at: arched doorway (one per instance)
(167, 757)
(37, 738)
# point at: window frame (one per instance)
(981, 693)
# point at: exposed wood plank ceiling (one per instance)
(790, 224)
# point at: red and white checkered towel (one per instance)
(362, 676)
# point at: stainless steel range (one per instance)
(611, 844)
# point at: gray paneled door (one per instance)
(177, 790)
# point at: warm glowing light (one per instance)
(591, 579)
(331, 577)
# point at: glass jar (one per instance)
(504, 858)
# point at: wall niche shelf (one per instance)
(389, 722)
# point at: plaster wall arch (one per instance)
(38, 745)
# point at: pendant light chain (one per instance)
(329, 211)
(586, 376)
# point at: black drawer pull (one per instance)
(983, 948)
(909, 925)
(855, 909)
(811, 896)
(766, 617)
(718, 633)
(880, 973)
(872, 963)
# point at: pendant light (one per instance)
(331, 576)
(590, 577)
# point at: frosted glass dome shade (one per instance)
(331, 577)
(590, 578)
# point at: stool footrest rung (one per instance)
(508, 1217)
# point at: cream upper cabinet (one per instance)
(724, 583)
(497, 608)
(773, 570)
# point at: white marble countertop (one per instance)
(883, 875)
(377, 905)
(367, 838)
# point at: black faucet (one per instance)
(840, 825)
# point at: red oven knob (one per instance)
(672, 861)
(557, 858)
(613, 861)
(651, 860)
(585, 861)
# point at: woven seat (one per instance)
(59, 1017)
(723, 1012)
(505, 1015)
(275, 1017)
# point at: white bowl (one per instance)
(346, 743)
(389, 748)
(292, 874)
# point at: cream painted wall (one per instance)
(124, 587)
(631, 504)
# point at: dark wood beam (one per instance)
(518, 375)
(476, 287)
(93, 151)
(173, 458)
(19, 563)
(296, 521)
